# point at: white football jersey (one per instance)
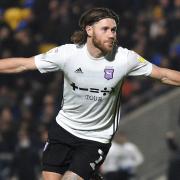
(92, 87)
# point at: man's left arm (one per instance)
(165, 75)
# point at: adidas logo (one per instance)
(79, 70)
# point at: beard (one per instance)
(105, 46)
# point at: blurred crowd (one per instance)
(28, 101)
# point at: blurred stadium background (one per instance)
(28, 101)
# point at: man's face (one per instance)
(104, 35)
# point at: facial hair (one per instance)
(100, 45)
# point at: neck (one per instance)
(94, 51)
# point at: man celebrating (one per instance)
(94, 68)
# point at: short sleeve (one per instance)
(52, 60)
(137, 65)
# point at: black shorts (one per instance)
(64, 151)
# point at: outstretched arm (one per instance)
(165, 75)
(17, 65)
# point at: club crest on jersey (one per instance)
(108, 73)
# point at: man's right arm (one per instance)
(17, 65)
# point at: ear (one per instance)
(89, 30)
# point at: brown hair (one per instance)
(89, 18)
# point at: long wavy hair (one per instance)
(90, 17)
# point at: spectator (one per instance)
(122, 160)
(174, 162)
(26, 160)
(7, 141)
